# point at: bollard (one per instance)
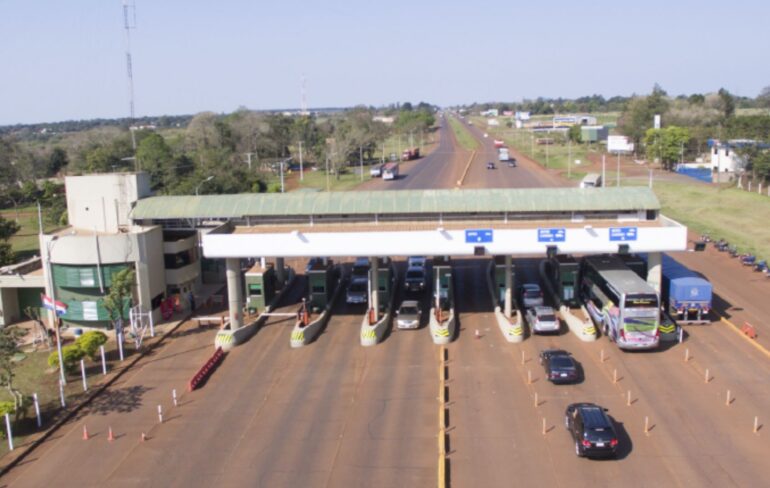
(681, 334)
(37, 410)
(173, 396)
(10, 434)
(478, 336)
(83, 374)
(160, 414)
(104, 363)
(120, 345)
(756, 423)
(646, 425)
(686, 354)
(707, 375)
(536, 402)
(628, 399)
(529, 377)
(544, 426)
(615, 375)
(601, 356)
(523, 357)
(727, 400)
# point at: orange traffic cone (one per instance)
(110, 435)
(85, 433)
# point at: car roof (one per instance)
(530, 286)
(409, 303)
(415, 268)
(543, 310)
(555, 352)
(359, 279)
(593, 416)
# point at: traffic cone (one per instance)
(85, 433)
(110, 435)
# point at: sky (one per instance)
(64, 60)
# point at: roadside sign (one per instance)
(478, 235)
(558, 234)
(623, 233)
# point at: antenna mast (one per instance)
(303, 103)
(129, 22)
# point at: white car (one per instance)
(531, 295)
(542, 319)
(408, 315)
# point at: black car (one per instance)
(560, 366)
(592, 430)
(490, 165)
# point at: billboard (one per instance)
(620, 144)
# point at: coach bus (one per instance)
(620, 302)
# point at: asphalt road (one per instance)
(337, 414)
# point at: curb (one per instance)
(467, 167)
(90, 398)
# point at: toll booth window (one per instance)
(255, 290)
(318, 289)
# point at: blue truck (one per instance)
(685, 294)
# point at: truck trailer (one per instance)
(685, 294)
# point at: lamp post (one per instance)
(201, 183)
(56, 320)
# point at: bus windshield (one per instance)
(640, 324)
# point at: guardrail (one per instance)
(203, 374)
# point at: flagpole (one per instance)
(56, 318)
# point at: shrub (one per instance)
(90, 341)
(70, 355)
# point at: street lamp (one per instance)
(201, 183)
(56, 319)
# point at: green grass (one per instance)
(464, 138)
(317, 180)
(736, 215)
(26, 240)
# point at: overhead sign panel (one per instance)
(558, 234)
(473, 236)
(622, 234)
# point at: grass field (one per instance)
(464, 138)
(26, 240)
(317, 180)
(738, 216)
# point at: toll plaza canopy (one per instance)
(432, 222)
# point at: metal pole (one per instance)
(8, 430)
(327, 171)
(104, 363)
(173, 396)
(61, 395)
(569, 159)
(618, 171)
(160, 414)
(281, 165)
(603, 171)
(152, 325)
(56, 318)
(83, 374)
(361, 161)
(37, 410)
(301, 165)
(120, 342)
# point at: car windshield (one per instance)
(599, 434)
(547, 317)
(357, 286)
(409, 310)
(562, 362)
(415, 274)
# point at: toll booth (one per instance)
(562, 272)
(499, 278)
(260, 287)
(321, 280)
(442, 282)
(384, 278)
(635, 263)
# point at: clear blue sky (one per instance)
(65, 59)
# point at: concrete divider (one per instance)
(228, 338)
(512, 331)
(202, 375)
(302, 335)
(442, 332)
(583, 328)
(372, 334)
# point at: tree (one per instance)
(7, 229)
(156, 158)
(575, 134)
(56, 161)
(33, 313)
(9, 338)
(763, 99)
(666, 144)
(727, 103)
(639, 114)
(119, 295)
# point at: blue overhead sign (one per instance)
(551, 235)
(622, 234)
(475, 236)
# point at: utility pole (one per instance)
(618, 170)
(301, 166)
(569, 158)
(603, 171)
(361, 161)
(248, 155)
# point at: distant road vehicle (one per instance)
(560, 367)
(531, 295)
(591, 180)
(357, 291)
(620, 302)
(410, 154)
(415, 279)
(498, 143)
(390, 171)
(361, 268)
(512, 163)
(685, 295)
(542, 319)
(408, 314)
(502, 155)
(591, 429)
(490, 165)
(419, 261)
(376, 171)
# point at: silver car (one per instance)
(408, 315)
(531, 295)
(542, 319)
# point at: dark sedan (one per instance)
(560, 366)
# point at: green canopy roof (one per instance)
(621, 199)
